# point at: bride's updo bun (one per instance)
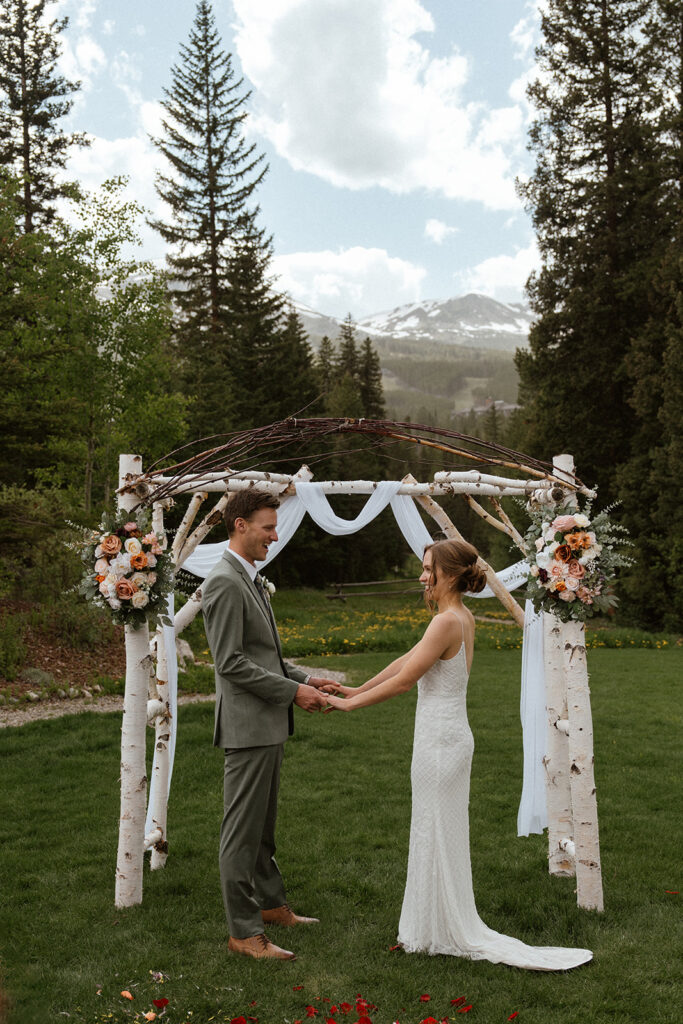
(456, 560)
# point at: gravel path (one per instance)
(40, 710)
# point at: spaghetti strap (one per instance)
(462, 628)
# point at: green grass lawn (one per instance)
(66, 952)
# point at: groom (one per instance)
(255, 691)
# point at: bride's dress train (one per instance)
(439, 913)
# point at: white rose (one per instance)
(114, 603)
(101, 566)
(543, 559)
(573, 583)
(545, 526)
(534, 570)
(552, 547)
(133, 546)
(151, 559)
(151, 579)
(539, 543)
(139, 579)
(98, 551)
(104, 589)
(139, 599)
(581, 520)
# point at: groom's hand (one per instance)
(310, 699)
(326, 685)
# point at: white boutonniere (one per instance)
(267, 585)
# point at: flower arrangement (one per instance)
(266, 584)
(573, 560)
(127, 569)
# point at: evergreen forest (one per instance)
(102, 353)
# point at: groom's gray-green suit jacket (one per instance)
(254, 687)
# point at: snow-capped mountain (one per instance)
(471, 320)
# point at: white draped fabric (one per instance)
(310, 498)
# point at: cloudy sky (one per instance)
(394, 130)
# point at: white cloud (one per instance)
(502, 277)
(357, 280)
(346, 91)
(525, 36)
(108, 27)
(81, 57)
(437, 231)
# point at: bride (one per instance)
(439, 913)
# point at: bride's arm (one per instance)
(403, 673)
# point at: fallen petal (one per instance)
(126, 994)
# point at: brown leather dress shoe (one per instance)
(260, 947)
(286, 916)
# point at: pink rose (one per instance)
(572, 583)
(557, 569)
(110, 545)
(576, 570)
(130, 527)
(150, 538)
(567, 595)
(584, 594)
(563, 523)
(125, 590)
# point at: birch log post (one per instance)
(556, 760)
(581, 769)
(130, 855)
(162, 731)
(160, 767)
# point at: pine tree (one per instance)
(33, 99)
(370, 382)
(592, 208)
(213, 175)
(347, 352)
(324, 366)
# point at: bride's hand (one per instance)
(337, 703)
(339, 688)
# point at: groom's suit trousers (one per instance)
(250, 878)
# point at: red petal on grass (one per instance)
(513, 1015)
(311, 1011)
(238, 1020)
(458, 1002)
(297, 988)
(330, 1020)
(392, 948)
(333, 1009)
(253, 1002)
(429, 1020)
(672, 892)
(364, 1019)
(465, 1009)
(160, 1003)
(126, 994)
(345, 1007)
(425, 998)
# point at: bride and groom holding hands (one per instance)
(255, 693)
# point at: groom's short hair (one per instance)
(243, 504)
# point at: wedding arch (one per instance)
(558, 787)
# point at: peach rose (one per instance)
(150, 538)
(576, 569)
(110, 545)
(563, 523)
(567, 595)
(558, 569)
(102, 566)
(139, 599)
(562, 553)
(125, 590)
(138, 561)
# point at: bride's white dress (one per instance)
(439, 913)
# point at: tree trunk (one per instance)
(162, 729)
(556, 760)
(581, 769)
(133, 736)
